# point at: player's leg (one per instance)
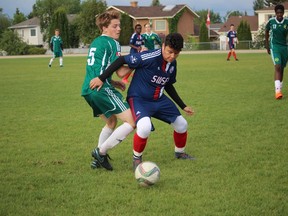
(140, 139)
(180, 138)
(120, 133)
(61, 59)
(112, 105)
(234, 54)
(276, 58)
(126, 78)
(142, 112)
(52, 59)
(229, 55)
(169, 113)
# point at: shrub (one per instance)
(36, 50)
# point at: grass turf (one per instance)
(238, 135)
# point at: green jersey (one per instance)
(278, 32)
(150, 39)
(56, 43)
(102, 52)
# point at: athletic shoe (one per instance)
(237, 59)
(95, 164)
(49, 65)
(278, 95)
(228, 59)
(61, 65)
(136, 161)
(184, 156)
(102, 159)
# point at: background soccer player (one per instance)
(276, 32)
(56, 45)
(136, 42)
(155, 71)
(108, 103)
(150, 38)
(231, 40)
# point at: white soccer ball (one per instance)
(147, 173)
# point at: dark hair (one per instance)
(279, 7)
(175, 41)
(137, 25)
(232, 24)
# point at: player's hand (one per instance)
(143, 49)
(118, 84)
(189, 111)
(96, 83)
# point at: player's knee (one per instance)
(180, 124)
(144, 127)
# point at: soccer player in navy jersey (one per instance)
(231, 40)
(155, 71)
(136, 42)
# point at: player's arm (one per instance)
(267, 41)
(98, 81)
(171, 91)
(123, 71)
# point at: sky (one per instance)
(218, 6)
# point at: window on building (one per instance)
(33, 32)
(160, 25)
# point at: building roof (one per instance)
(251, 20)
(35, 21)
(30, 23)
(148, 12)
(271, 8)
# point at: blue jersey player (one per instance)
(231, 40)
(155, 71)
(136, 42)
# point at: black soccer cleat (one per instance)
(102, 159)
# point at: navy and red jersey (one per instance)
(136, 40)
(231, 35)
(151, 74)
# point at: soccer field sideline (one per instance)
(125, 53)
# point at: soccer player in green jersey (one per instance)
(108, 103)
(56, 45)
(276, 45)
(150, 38)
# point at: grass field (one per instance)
(239, 136)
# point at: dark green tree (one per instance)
(155, 3)
(18, 17)
(74, 38)
(269, 3)
(233, 13)
(203, 37)
(244, 35)
(86, 21)
(126, 29)
(44, 9)
(12, 44)
(60, 21)
(5, 22)
(214, 17)
(258, 4)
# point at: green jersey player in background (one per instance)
(56, 45)
(276, 45)
(107, 103)
(150, 38)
